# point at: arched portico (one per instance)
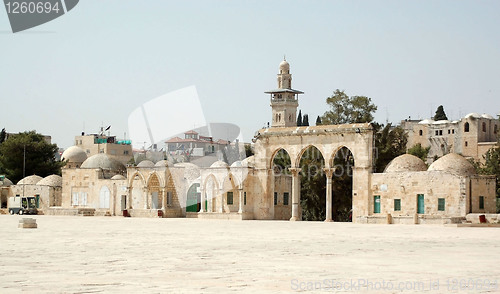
(328, 139)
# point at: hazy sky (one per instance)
(103, 59)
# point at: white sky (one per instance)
(104, 59)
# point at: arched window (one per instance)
(420, 133)
(466, 127)
(484, 127)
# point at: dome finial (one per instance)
(284, 57)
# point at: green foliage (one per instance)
(318, 121)
(419, 151)
(346, 110)
(3, 135)
(40, 156)
(491, 166)
(305, 122)
(248, 150)
(389, 143)
(313, 186)
(342, 185)
(440, 114)
(299, 118)
(281, 162)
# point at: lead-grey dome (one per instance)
(30, 180)
(453, 163)
(51, 181)
(102, 161)
(74, 154)
(405, 163)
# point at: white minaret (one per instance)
(284, 100)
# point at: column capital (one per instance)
(329, 172)
(295, 170)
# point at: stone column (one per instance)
(164, 200)
(146, 195)
(295, 194)
(221, 207)
(329, 174)
(203, 197)
(240, 192)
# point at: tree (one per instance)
(305, 122)
(345, 109)
(318, 121)
(3, 135)
(419, 151)
(390, 142)
(40, 156)
(440, 114)
(299, 119)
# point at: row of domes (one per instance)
(51, 181)
(451, 163)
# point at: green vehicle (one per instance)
(22, 205)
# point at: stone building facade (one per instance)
(472, 136)
(406, 192)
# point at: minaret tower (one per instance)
(284, 100)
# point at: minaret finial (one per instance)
(284, 57)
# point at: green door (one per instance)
(420, 203)
(376, 204)
(192, 200)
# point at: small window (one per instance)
(453, 131)
(495, 129)
(286, 196)
(481, 202)
(484, 127)
(244, 198)
(229, 199)
(437, 132)
(275, 198)
(441, 203)
(466, 144)
(440, 132)
(169, 197)
(397, 204)
(125, 152)
(466, 127)
(420, 133)
(449, 132)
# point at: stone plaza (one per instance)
(76, 254)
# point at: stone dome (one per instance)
(74, 154)
(248, 162)
(473, 115)
(426, 122)
(485, 115)
(284, 65)
(102, 161)
(162, 163)
(51, 181)
(405, 163)
(6, 183)
(219, 164)
(440, 122)
(30, 180)
(453, 163)
(118, 177)
(236, 164)
(146, 163)
(191, 171)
